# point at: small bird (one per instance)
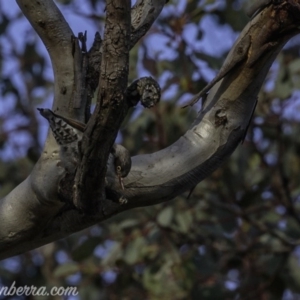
(122, 162)
(67, 136)
(68, 132)
(65, 131)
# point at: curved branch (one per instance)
(221, 125)
(160, 176)
(143, 15)
(54, 31)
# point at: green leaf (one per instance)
(184, 221)
(164, 218)
(66, 270)
(134, 250)
(128, 223)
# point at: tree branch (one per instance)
(143, 15)
(160, 176)
(110, 110)
(54, 31)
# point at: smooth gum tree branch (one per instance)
(55, 33)
(29, 212)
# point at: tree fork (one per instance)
(31, 215)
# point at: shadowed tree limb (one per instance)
(110, 110)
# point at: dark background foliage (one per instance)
(236, 237)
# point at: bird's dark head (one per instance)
(122, 165)
(46, 113)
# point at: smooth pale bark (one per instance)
(32, 213)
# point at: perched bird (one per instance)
(122, 162)
(68, 132)
(67, 136)
(65, 131)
